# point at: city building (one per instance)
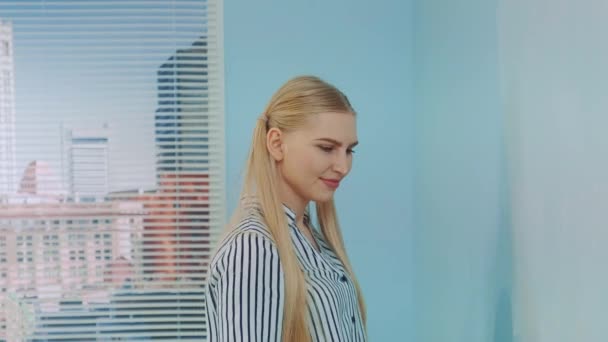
(8, 161)
(88, 163)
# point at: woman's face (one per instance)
(315, 158)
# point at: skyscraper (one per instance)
(182, 119)
(8, 161)
(178, 233)
(88, 163)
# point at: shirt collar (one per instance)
(291, 215)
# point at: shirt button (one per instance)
(353, 318)
(343, 278)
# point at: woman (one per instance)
(274, 277)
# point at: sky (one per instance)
(86, 64)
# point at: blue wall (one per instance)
(365, 49)
(462, 240)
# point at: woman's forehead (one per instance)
(337, 126)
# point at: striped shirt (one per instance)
(245, 294)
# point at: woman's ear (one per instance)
(274, 143)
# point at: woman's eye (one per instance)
(326, 148)
(350, 151)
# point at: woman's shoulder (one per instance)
(250, 223)
(250, 231)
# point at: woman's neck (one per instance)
(297, 206)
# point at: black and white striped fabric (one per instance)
(245, 295)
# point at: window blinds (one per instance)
(111, 167)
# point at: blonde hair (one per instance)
(289, 109)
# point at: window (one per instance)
(6, 82)
(5, 48)
(120, 144)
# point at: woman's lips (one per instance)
(331, 183)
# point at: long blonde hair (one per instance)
(288, 110)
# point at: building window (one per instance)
(5, 48)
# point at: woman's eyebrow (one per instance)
(336, 142)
